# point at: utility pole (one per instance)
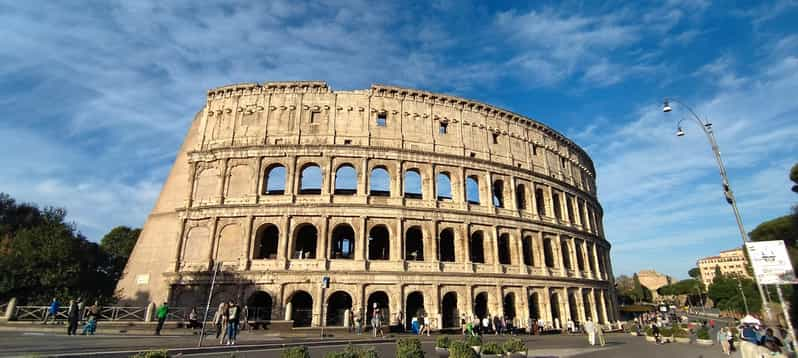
(216, 268)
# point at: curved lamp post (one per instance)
(707, 128)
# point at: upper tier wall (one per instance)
(310, 113)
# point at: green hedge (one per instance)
(295, 352)
(409, 348)
(461, 350)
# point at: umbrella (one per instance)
(748, 319)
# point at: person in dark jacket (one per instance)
(73, 316)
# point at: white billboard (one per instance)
(771, 262)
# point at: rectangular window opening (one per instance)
(347, 141)
(495, 138)
(315, 117)
(534, 149)
(382, 119)
(444, 128)
(562, 161)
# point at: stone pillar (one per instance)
(572, 251)
(11, 310)
(538, 251)
(596, 270)
(545, 304)
(592, 302)
(603, 305)
(149, 313)
(396, 242)
(285, 238)
(499, 302)
(247, 249)
(347, 314)
(322, 244)
(432, 255)
(565, 303)
(580, 305)
(288, 308)
(360, 240)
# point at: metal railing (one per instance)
(127, 313)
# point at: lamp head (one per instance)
(666, 107)
(679, 132)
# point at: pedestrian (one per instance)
(415, 326)
(655, 331)
(348, 321)
(193, 322)
(374, 313)
(463, 325)
(219, 321)
(771, 342)
(378, 320)
(233, 317)
(486, 325)
(160, 314)
(52, 311)
(245, 318)
(400, 317)
(358, 323)
(570, 326)
(730, 339)
(73, 316)
(496, 325)
(721, 338)
(92, 313)
(590, 329)
(600, 334)
(426, 325)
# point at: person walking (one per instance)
(219, 321)
(193, 322)
(52, 311)
(245, 318)
(161, 313)
(233, 317)
(92, 313)
(426, 325)
(486, 325)
(358, 323)
(600, 335)
(590, 329)
(378, 323)
(73, 316)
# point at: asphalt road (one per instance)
(15, 344)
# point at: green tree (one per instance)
(794, 177)
(695, 273)
(118, 244)
(725, 292)
(684, 287)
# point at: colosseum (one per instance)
(411, 201)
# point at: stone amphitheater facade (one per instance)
(414, 201)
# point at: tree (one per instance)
(794, 177)
(118, 244)
(640, 292)
(695, 273)
(684, 287)
(725, 292)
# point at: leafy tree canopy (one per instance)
(695, 273)
(725, 292)
(684, 287)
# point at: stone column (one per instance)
(596, 269)
(292, 179)
(603, 305)
(361, 239)
(572, 251)
(322, 242)
(432, 255)
(247, 249)
(538, 251)
(580, 306)
(544, 296)
(565, 304)
(285, 238)
(396, 242)
(499, 302)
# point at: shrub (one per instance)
(492, 348)
(702, 333)
(409, 348)
(152, 354)
(649, 332)
(678, 332)
(442, 342)
(295, 352)
(513, 345)
(473, 341)
(665, 331)
(354, 352)
(459, 349)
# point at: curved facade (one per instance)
(412, 200)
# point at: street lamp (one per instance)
(727, 192)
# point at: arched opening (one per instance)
(379, 300)
(259, 306)
(275, 180)
(477, 247)
(266, 240)
(540, 202)
(526, 247)
(509, 306)
(590, 259)
(555, 307)
(310, 179)
(580, 261)
(446, 245)
(379, 243)
(548, 253)
(305, 243)
(534, 306)
(302, 309)
(481, 305)
(498, 194)
(565, 250)
(504, 249)
(413, 184)
(343, 242)
(380, 182)
(414, 244)
(337, 304)
(472, 190)
(444, 186)
(555, 202)
(586, 304)
(574, 316)
(414, 307)
(450, 313)
(346, 180)
(520, 197)
(569, 205)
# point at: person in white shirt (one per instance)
(590, 329)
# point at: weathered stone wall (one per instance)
(532, 242)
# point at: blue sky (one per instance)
(100, 95)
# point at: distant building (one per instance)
(653, 280)
(731, 262)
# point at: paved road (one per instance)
(618, 345)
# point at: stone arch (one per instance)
(554, 303)
(446, 245)
(526, 251)
(504, 249)
(382, 301)
(380, 181)
(534, 306)
(509, 306)
(342, 245)
(498, 193)
(345, 180)
(548, 253)
(586, 304)
(476, 244)
(206, 185)
(565, 252)
(267, 240)
(301, 308)
(337, 304)
(379, 242)
(443, 185)
(305, 241)
(196, 245)
(413, 186)
(239, 183)
(230, 243)
(572, 307)
(540, 201)
(520, 196)
(449, 312)
(472, 189)
(481, 305)
(310, 179)
(414, 244)
(259, 306)
(414, 306)
(274, 180)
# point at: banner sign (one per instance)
(771, 262)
